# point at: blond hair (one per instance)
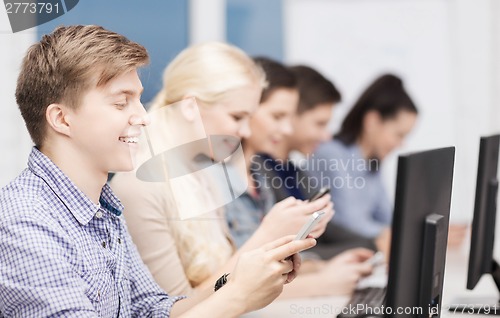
(206, 72)
(65, 64)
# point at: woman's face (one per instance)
(385, 135)
(230, 116)
(272, 121)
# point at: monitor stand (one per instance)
(433, 263)
(484, 305)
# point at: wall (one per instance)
(160, 26)
(15, 141)
(446, 51)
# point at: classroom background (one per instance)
(446, 51)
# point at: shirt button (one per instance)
(98, 214)
(104, 244)
(119, 241)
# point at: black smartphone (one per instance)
(320, 193)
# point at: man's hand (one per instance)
(260, 274)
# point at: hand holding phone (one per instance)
(309, 226)
(323, 191)
(376, 260)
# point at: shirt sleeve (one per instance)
(324, 174)
(383, 212)
(37, 279)
(355, 215)
(145, 209)
(362, 208)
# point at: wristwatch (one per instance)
(221, 282)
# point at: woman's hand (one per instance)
(288, 216)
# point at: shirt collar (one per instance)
(110, 201)
(82, 208)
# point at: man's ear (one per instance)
(58, 118)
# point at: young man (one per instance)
(317, 97)
(65, 249)
(271, 125)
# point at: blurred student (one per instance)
(271, 124)
(317, 97)
(187, 255)
(65, 250)
(377, 124)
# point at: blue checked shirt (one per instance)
(61, 255)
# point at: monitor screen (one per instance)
(419, 232)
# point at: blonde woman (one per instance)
(188, 255)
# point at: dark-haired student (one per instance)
(271, 124)
(65, 250)
(317, 97)
(377, 124)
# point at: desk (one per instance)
(328, 307)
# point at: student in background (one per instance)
(271, 124)
(65, 250)
(186, 256)
(317, 97)
(376, 125)
(350, 163)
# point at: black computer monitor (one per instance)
(420, 233)
(483, 229)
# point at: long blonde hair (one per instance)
(206, 72)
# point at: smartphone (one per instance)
(309, 226)
(320, 193)
(376, 260)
